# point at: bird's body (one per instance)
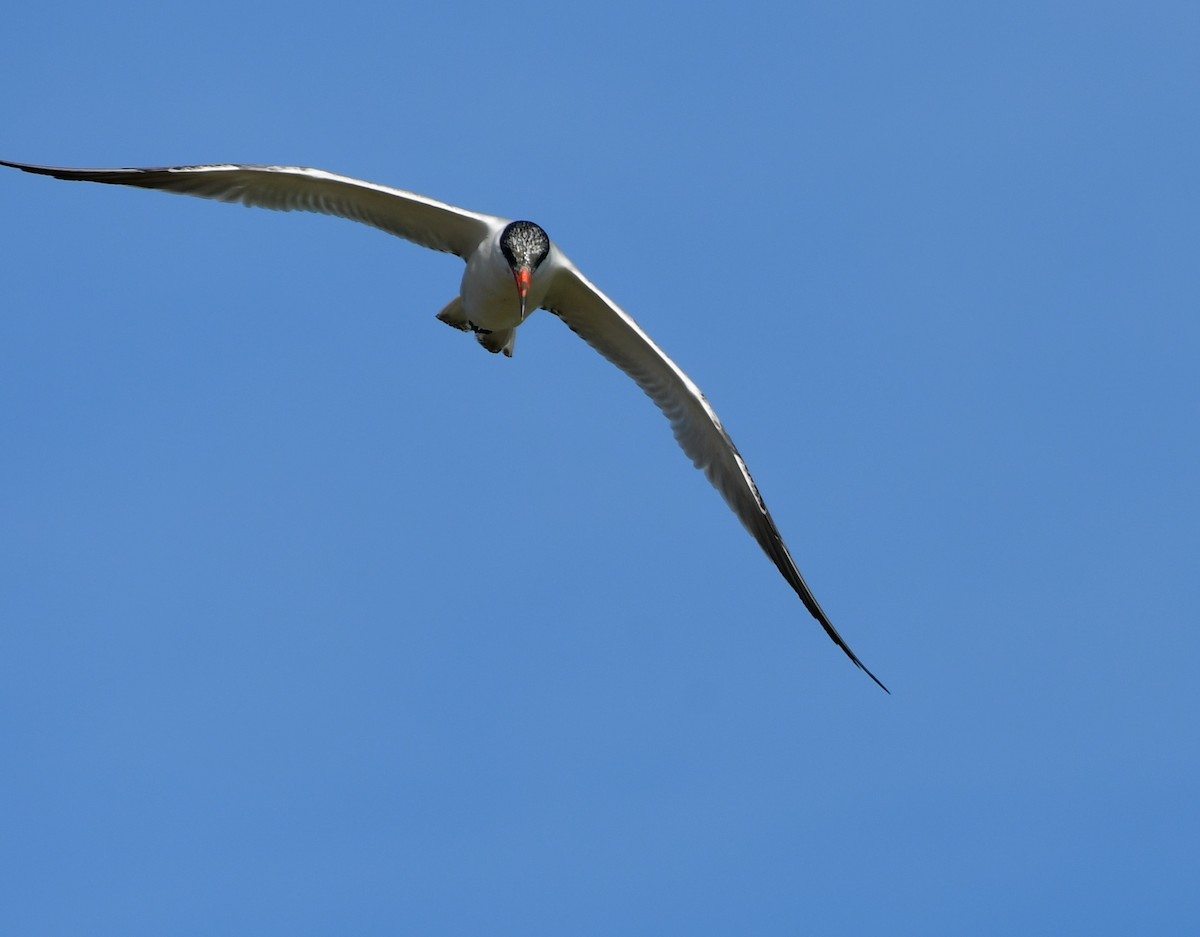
(512, 269)
(486, 292)
(487, 302)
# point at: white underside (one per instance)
(489, 291)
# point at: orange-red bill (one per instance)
(524, 277)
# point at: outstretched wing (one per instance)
(604, 326)
(422, 220)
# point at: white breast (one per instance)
(489, 292)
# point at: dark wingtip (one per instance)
(68, 174)
(879, 683)
(28, 167)
(75, 175)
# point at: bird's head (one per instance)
(524, 246)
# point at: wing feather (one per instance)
(422, 220)
(604, 326)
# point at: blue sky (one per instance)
(317, 619)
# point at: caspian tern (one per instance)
(513, 268)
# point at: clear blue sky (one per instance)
(317, 619)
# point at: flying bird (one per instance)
(513, 268)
